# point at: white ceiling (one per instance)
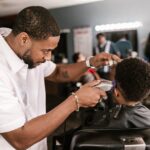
(10, 7)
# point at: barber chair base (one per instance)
(108, 139)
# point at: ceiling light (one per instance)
(118, 26)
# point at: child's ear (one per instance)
(116, 92)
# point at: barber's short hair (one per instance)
(37, 22)
(100, 34)
(133, 78)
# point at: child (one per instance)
(132, 85)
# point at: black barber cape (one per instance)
(137, 116)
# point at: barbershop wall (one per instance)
(105, 12)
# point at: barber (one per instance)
(25, 61)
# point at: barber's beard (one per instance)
(28, 60)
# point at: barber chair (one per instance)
(111, 139)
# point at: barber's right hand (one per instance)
(89, 95)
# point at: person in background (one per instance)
(124, 46)
(147, 49)
(25, 63)
(90, 74)
(104, 45)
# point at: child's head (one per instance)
(132, 78)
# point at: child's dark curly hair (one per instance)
(133, 78)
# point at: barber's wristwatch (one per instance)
(87, 62)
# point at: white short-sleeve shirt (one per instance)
(22, 93)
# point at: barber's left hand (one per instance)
(102, 59)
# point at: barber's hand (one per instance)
(102, 59)
(89, 95)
